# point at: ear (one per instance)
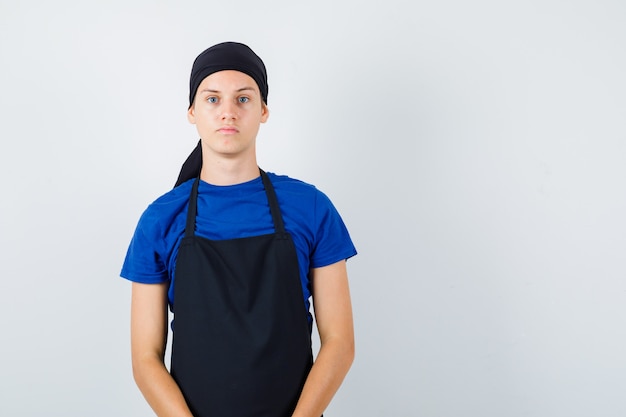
(191, 114)
(265, 113)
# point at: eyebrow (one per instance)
(210, 90)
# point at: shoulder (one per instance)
(162, 212)
(160, 226)
(312, 216)
(301, 195)
(178, 195)
(303, 200)
(287, 181)
(285, 185)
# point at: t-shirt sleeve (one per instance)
(332, 240)
(144, 262)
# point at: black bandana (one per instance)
(228, 56)
(220, 57)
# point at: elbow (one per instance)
(137, 367)
(350, 352)
(341, 349)
(346, 352)
(143, 365)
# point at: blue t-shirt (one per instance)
(235, 211)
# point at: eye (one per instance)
(212, 99)
(243, 99)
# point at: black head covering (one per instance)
(228, 56)
(192, 165)
(220, 57)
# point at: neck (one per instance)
(225, 171)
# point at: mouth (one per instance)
(228, 130)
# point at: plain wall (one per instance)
(476, 151)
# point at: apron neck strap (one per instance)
(273, 201)
(192, 210)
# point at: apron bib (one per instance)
(241, 341)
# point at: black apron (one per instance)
(241, 340)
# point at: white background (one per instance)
(476, 151)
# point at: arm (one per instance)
(333, 314)
(148, 328)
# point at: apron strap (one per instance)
(190, 228)
(273, 201)
(192, 209)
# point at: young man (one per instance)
(237, 254)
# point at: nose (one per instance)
(229, 110)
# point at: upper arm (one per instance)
(331, 303)
(148, 319)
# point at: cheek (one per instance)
(202, 114)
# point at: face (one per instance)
(227, 111)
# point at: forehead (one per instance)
(228, 80)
